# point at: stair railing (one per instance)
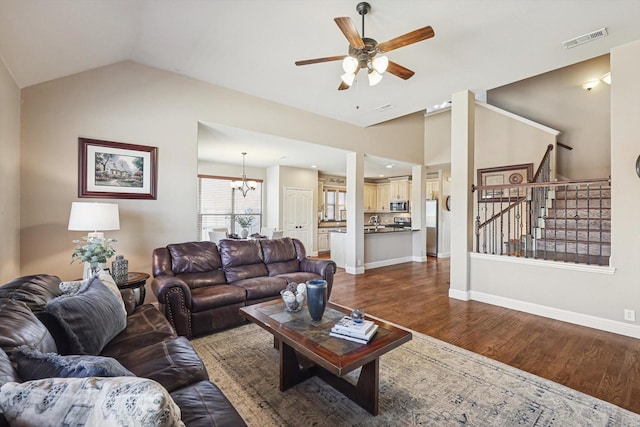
(551, 220)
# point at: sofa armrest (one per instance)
(323, 267)
(174, 295)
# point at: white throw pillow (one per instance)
(104, 402)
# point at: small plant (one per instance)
(95, 251)
(244, 221)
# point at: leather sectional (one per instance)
(148, 347)
(200, 285)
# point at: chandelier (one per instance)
(243, 186)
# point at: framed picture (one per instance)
(505, 175)
(114, 170)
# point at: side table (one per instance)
(137, 282)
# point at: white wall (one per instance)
(595, 296)
(9, 176)
(132, 103)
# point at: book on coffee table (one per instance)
(348, 326)
(354, 336)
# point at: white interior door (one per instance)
(298, 215)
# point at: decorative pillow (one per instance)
(35, 365)
(106, 279)
(90, 317)
(104, 402)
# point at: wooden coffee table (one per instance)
(306, 349)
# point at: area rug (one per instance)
(425, 382)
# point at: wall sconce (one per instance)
(606, 78)
(591, 84)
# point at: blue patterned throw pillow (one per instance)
(35, 365)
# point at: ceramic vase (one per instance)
(316, 298)
(244, 233)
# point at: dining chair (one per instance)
(218, 234)
(267, 232)
(277, 234)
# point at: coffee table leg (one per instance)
(291, 372)
(365, 393)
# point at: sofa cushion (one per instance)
(90, 401)
(173, 363)
(299, 276)
(280, 256)
(242, 259)
(204, 405)
(91, 317)
(35, 365)
(19, 326)
(34, 290)
(146, 325)
(262, 287)
(194, 257)
(216, 296)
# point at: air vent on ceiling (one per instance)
(586, 38)
(385, 107)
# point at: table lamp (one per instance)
(94, 217)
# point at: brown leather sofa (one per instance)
(148, 347)
(201, 286)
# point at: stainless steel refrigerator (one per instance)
(432, 227)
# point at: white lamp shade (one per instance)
(380, 64)
(94, 216)
(349, 64)
(348, 78)
(374, 77)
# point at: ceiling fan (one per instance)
(363, 51)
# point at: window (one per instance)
(218, 205)
(335, 203)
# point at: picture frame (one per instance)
(115, 170)
(504, 175)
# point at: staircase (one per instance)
(576, 225)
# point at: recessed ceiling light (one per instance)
(389, 165)
(385, 107)
(381, 175)
(314, 166)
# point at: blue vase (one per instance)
(316, 298)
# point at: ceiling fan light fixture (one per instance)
(380, 64)
(349, 64)
(374, 77)
(348, 78)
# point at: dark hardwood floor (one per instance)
(415, 295)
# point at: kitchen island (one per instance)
(382, 246)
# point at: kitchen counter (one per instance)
(372, 230)
(382, 247)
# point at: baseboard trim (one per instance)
(351, 270)
(387, 262)
(457, 294)
(419, 258)
(444, 254)
(608, 325)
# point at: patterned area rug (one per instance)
(425, 382)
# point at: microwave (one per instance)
(399, 206)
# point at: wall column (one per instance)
(354, 240)
(462, 167)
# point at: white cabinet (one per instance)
(399, 189)
(382, 197)
(370, 197)
(323, 241)
(433, 189)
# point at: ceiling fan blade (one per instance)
(399, 70)
(318, 60)
(343, 86)
(350, 31)
(409, 38)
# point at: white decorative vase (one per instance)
(88, 272)
(244, 233)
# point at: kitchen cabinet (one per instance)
(323, 241)
(370, 197)
(399, 189)
(433, 189)
(382, 197)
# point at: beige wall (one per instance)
(593, 296)
(131, 103)
(9, 176)
(557, 99)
